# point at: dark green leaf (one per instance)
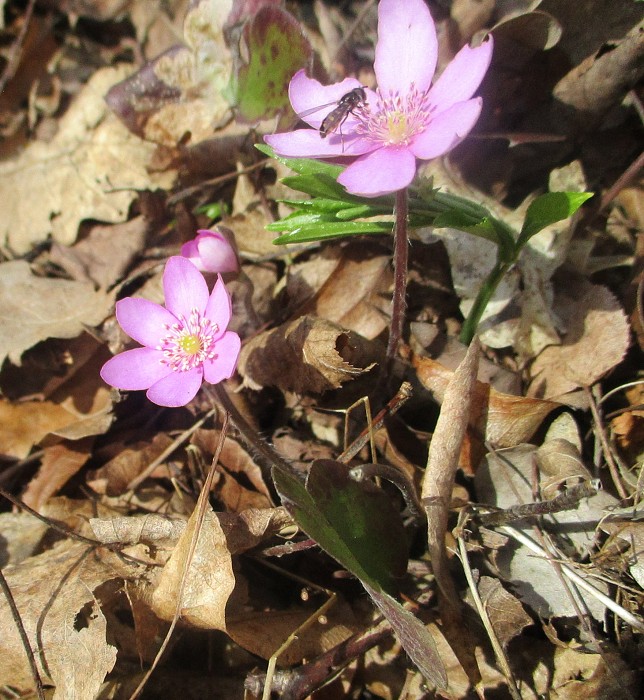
(318, 185)
(413, 636)
(352, 521)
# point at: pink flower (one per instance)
(405, 119)
(210, 251)
(184, 343)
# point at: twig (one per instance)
(140, 478)
(573, 576)
(23, 636)
(501, 656)
(601, 434)
(392, 407)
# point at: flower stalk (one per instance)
(401, 262)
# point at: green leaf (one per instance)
(352, 521)
(277, 49)
(303, 166)
(356, 524)
(548, 209)
(318, 185)
(324, 231)
(413, 636)
(318, 204)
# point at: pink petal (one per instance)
(462, 77)
(184, 286)
(143, 320)
(447, 129)
(223, 365)
(219, 306)
(135, 369)
(177, 389)
(307, 143)
(407, 49)
(386, 170)
(312, 101)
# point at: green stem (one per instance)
(401, 255)
(482, 298)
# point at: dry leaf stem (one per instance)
(294, 684)
(601, 434)
(442, 463)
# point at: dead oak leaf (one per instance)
(308, 354)
(91, 169)
(503, 420)
(33, 308)
(25, 424)
(596, 340)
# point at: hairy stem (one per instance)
(401, 255)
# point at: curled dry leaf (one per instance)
(59, 464)
(501, 419)
(306, 355)
(506, 613)
(596, 340)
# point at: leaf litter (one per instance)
(133, 576)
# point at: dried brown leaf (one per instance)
(91, 169)
(50, 591)
(23, 425)
(305, 355)
(105, 254)
(210, 579)
(501, 419)
(506, 613)
(596, 340)
(59, 464)
(348, 285)
(33, 308)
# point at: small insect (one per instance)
(344, 107)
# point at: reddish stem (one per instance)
(401, 256)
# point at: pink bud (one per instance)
(211, 251)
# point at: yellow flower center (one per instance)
(190, 344)
(397, 127)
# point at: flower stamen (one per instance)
(189, 342)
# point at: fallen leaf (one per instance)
(596, 340)
(209, 581)
(33, 308)
(80, 665)
(24, 425)
(502, 420)
(348, 285)
(91, 169)
(505, 479)
(307, 354)
(506, 613)
(105, 254)
(59, 464)
(50, 591)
